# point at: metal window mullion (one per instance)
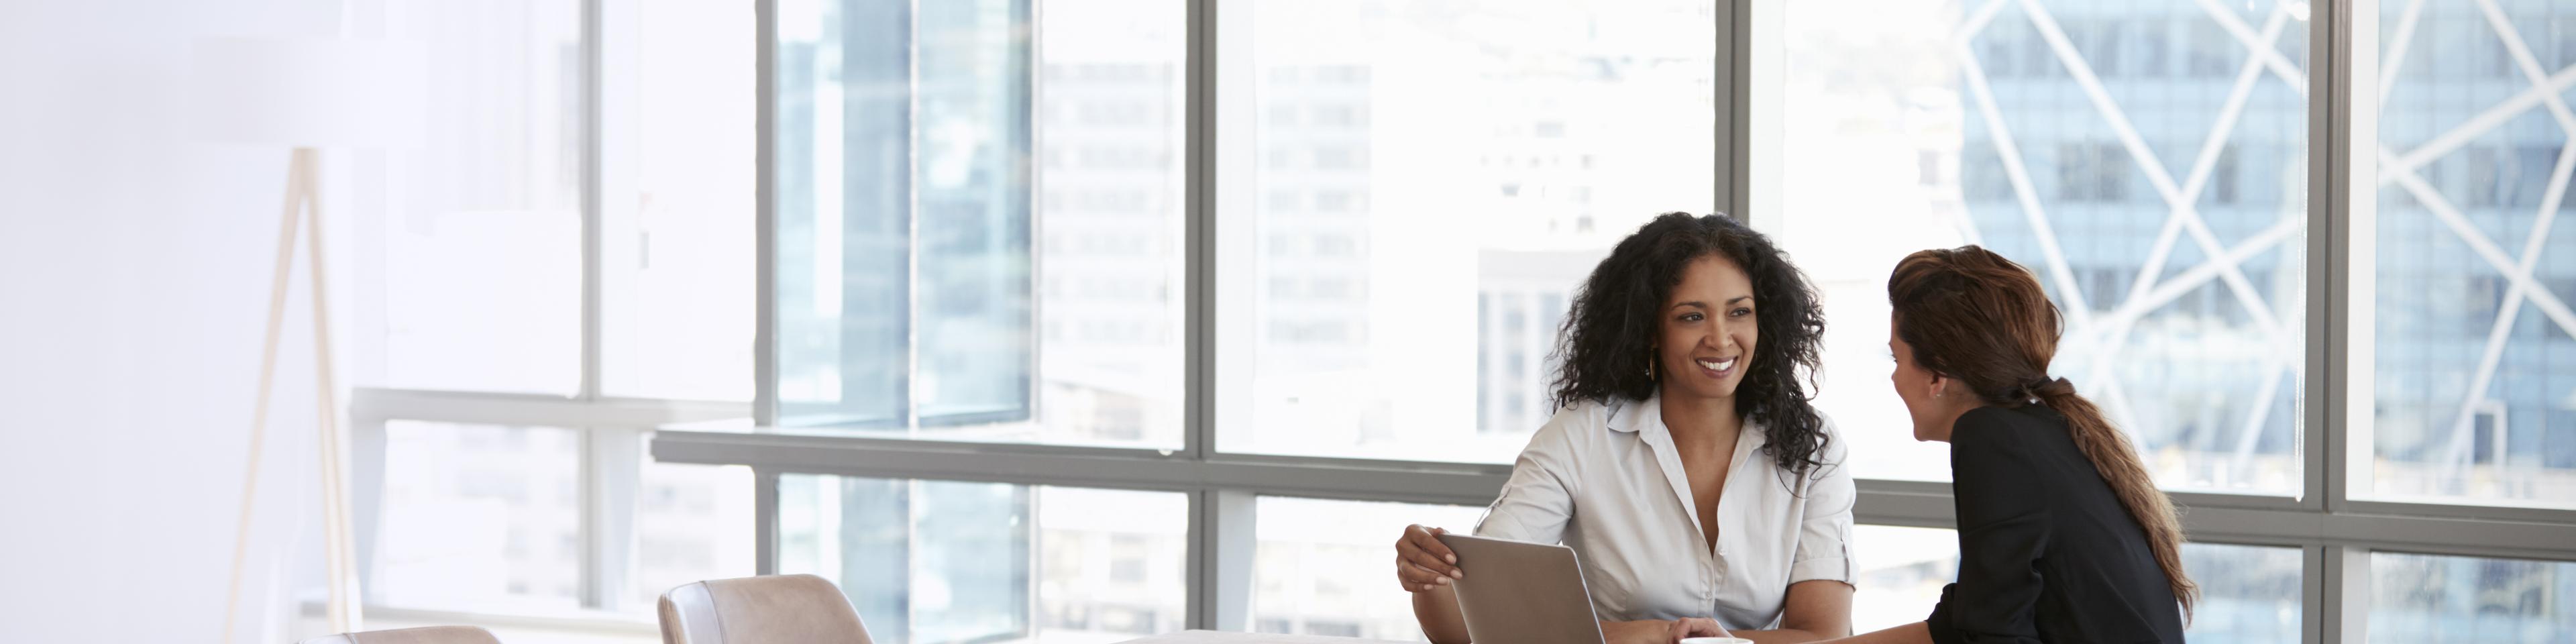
(2320, 438)
(2343, 584)
(791, 447)
(593, 132)
(1732, 56)
(2193, 499)
(593, 531)
(1198, 229)
(1748, 56)
(1035, 361)
(2524, 533)
(2312, 594)
(2452, 508)
(1220, 559)
(533, 409)
(912, 223)
(1919, 504)
(1087, 467)
(764, 509)
(612, 470)
(764, 337)
(1722, 64)
(1196, 558)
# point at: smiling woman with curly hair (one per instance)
(1685, 466)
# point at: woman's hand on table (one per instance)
(1697, 627)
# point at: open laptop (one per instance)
(1522, 593)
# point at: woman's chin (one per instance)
(1706, 391)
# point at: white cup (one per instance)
(1716, 640)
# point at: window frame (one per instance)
(612, 428)
(2335, 531)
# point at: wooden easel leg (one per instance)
(341, 543)
(303, 203)
(295, 193)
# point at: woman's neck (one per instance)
(1950, 418)
(1697, 417)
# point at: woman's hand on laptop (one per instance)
(1697, 627)
(1422, 562)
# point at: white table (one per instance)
(1228, 637)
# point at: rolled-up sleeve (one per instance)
(1537, 502)
(1824, 532)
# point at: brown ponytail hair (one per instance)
(1976, 317)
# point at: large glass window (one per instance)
(978, 236)
(2248, 594)
(939, 561)
(978, 219)
(1324, 567)
(478, 517)
(2474, 398)
(2147, 161)
(692, 523)
(470, 292)
(1898, 573)
(678, 189)
(1395, 263)
(2427, 598)
(486, 216)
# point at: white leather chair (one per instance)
(429, 635)
(777, 609)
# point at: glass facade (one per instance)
(2473, 399)
(2146, 160)
(692, 523)
(678, 207)
(1326, 567)
(937, 561)
(2428, 598)
(478, 517)
(474, 263)
(469, 289)
(1396, 268)
(978, 228)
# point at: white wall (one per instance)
(134, 267)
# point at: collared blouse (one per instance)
(1606, 480)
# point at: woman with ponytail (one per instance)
(2062, 535)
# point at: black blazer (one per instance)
(2046, 552)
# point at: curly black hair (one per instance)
(1608, 338)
